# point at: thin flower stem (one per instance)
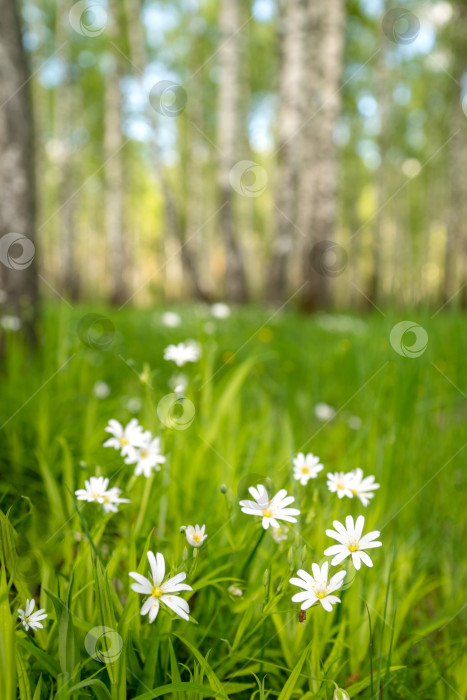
(144, 503)
(252, 555)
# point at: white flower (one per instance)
(183, 353)
(134, 404)
(235, 591)
(112, 500)
(10, 323)
(171, 319)
(351, 542)
(126, 439)
(178, 382)
(363, 487)
(279, 534)
(220, 310)
(306, 467)
(195, 535)
(270, 510)
(324, 412)
(160, 592)
(32, 619)
(95, 491)
(354, 422)
(352, 484)
(101, 390)
(316, 587)
(341, 483)
(147, 457)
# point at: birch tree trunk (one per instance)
(64, 111)
(292, 75)
(319, 178)
(18, 272)
(114, 185)
(456, 234)
(228, 128)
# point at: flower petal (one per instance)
(178, 605)
(157, 565)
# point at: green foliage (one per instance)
(254, 394)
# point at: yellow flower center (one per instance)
(353, 547)
(320, 594)
(267, 513)
(305, 470)
(143, 454)
(123, 441)
(156, 592)
(196, 538)
(106, 500)
(340, 485)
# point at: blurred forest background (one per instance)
(233, 149)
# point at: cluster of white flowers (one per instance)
(138, 446)
(317, 586)
(96, 491)
(352, 484)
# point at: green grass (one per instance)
(254, 392)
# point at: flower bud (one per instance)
(304, 554)
(185, 554)
(223, 488)
(183, 529)
(265, 578)
(290, 556)
(341, 694)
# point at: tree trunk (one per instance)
(319, 178)
(228, 127)
(291, 87)
(65, 109)
(456, 239)
(18, 272)
(113, 144)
